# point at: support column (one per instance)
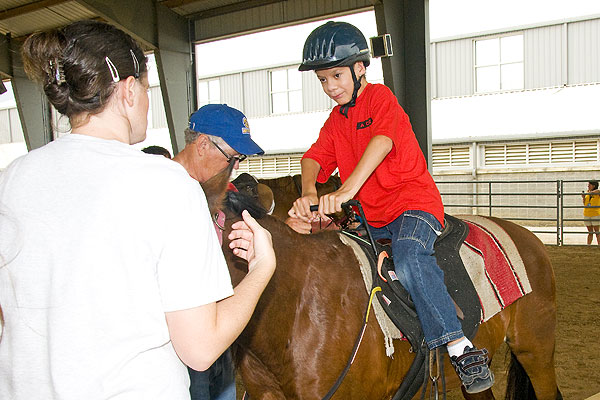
(32, 105)
(407, 73)
(176, 71)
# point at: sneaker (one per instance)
(473, 370)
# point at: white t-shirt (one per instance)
(109, 239)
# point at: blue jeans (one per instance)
(413, 234)
(216, 383)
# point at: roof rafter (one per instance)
(28, 8)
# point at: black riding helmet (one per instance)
(336, 44)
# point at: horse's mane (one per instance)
(230, 202)
(236, 202)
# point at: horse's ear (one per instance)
(215, 189)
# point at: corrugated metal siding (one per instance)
(45, 18)
(231, 91)
(543, 55)
(313, 97)
(256, 93)
(280, 13)
(454, 68)
(584, 51)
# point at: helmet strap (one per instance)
(357, 83)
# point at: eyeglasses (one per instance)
(238, 158)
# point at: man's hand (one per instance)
(301, 208)
(299, 225)
(253, 243)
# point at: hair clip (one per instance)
(60, 73)
(113, 70)
(57, 72)
(136, 65)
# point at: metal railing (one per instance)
(552, 207)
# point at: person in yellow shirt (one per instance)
(591, 211)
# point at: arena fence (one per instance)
(546, 207)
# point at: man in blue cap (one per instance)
(217, 135)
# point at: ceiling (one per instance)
(21, 17)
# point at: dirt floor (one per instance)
(577, 271)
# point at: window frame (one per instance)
(287, 91)
(499, 63)
(211, 99)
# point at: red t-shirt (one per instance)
(401, 182)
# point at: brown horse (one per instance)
(305, 324)
(288, 188)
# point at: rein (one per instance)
(357, 343)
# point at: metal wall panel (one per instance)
(276, 14)
(542, 49)
(584, 51)
(454, 68)
(256, 93)
(313, 97)
(231, 91)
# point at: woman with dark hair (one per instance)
(591, 211)
(119, 271)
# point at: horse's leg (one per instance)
(259, 382)
(532, 319)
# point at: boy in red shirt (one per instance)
(369, 139)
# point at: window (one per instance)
(157, 117)
(10, 126)
(499, 64)
(540, 153)
(209, 92)
(451, 156)
(286, 91)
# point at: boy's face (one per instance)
(337, 82)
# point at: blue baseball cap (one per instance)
(227, 123)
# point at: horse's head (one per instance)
(230, 202)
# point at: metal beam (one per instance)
(407, 73)
(32, 104)
(28, 8)
(136, 17)
(230, 8)
(5, 62)
(176, 71)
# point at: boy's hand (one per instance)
(252, 242)
(331, 203)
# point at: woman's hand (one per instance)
(250, 241)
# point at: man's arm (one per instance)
(201, 334)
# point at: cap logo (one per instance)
(246, 127)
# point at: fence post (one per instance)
(559, 212)
(490, 197)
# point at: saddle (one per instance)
(398, 305)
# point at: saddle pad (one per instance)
(494, 265)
